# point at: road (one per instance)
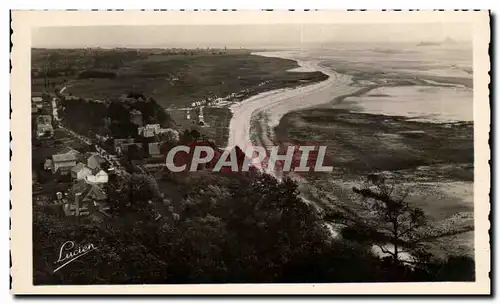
(112, 159)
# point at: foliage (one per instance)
(242, 227)
(131, 193)
(111, 118)
(393, 215)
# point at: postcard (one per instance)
(250, 152)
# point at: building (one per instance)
(85, 198)
(94, 161)
(154, 149)
(63, 163)
(44, 131)
(169, 135)
(136, 117)
(149, 130)
(126, 146)
(69, 150)
(44, 127)
(36, 99)
(60, 199)
(44, 119)
(80, 171)
(37, 102)
(71, 97)
(101, 177)
(119, 142)
(201, 117)
(48, 164)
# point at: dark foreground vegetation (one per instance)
(228, 228)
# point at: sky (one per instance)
(290, 35)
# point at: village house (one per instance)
(47, 165)
(119, 142)
(63, 163)
(93, 161)
(49, 162)
(149, 130)
(69, 150)
(60, 199)
(83, 198)
(36, 99)
(100, 177)
(44, 119)
(80, 171)
(136, 117)
(126, 146)
(71, 97)
(154, 149)
(44, 131)
(44, 126)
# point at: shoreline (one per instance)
(281, 101)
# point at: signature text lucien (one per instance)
(70, 252)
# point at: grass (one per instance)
(179, 80)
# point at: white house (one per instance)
(36, 99)
(149, 130)
(100, 178)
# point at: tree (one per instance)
(394, 216)
(132, 193)
(170, 136)
(190, 135)
(134, 153)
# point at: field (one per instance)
(173, 80)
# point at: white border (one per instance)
(230, 4)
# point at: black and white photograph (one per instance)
(250, 152)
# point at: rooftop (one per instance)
(63, 157)
(78, 167)
(154, 148)
(87, 191)
(67, 150)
